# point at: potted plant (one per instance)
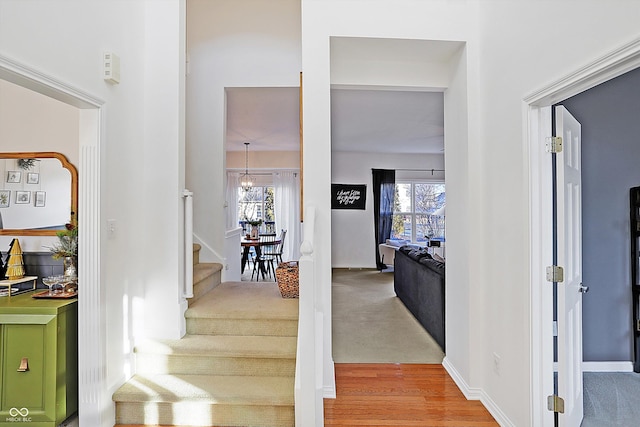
(66, 248)
(255, 223)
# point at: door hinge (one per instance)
(555, 328)
(637, 325)
(553, 144)
(555, 404)
(555, 273)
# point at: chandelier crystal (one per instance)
(246, 181)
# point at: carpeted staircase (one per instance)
(235, 366)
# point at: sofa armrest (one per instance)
(387, 253)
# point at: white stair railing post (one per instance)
(187, 291)
(309, 410)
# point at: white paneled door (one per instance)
(570, 290)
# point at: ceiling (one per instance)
(383, 121)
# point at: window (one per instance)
(256, 203)
(418, 212)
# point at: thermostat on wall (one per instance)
(111, 68)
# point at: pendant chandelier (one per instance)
(246, 182)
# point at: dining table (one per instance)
(247, 243)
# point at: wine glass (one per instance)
(50, 281)
(59, 285)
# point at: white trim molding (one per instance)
(329, 390)
(30, 78)
(622, 366)
(605, 68)
(474, 393)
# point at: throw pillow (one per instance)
(419, 253)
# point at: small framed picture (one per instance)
(33, 178)
(40, 199)
(14, 176)
(5, 197)
(23, 197)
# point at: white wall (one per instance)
(140, 156)
(30, 121)
(487, 177)
(264, 160)
(352, 231)
(247, 43)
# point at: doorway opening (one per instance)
(376, 119)
(401, 132)
(91, 330)
(539, 108)
(262, 144)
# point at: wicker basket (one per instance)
(287, 278)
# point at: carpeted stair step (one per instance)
(243, 308)
(218, 355)
(196, 253)
(201, 400)
(235, 366)
(206, 276)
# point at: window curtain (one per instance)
(233, 182)
(384, 182)
(286, 186)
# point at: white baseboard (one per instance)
(474, 393)
(329, 390)
(625, 366)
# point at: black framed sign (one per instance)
(348, 196)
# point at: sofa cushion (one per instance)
(433, 265)
(415, 252)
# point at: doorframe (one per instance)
(536, 110)
(93, 396)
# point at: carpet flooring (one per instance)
(371, 325)
(611, 399)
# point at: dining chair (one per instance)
(264, 262)
(280, 246)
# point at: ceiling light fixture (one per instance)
(246, 182)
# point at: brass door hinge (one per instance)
(555, 404)
(553, 144)
(555, 273)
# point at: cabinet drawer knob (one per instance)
(24, 365)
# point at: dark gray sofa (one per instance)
(419, 282)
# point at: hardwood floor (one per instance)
(407, 395)
(400, 395)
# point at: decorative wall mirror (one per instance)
(38, 193)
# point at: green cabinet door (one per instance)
(24, 389)
(38, 362)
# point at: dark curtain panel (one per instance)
(384, 182)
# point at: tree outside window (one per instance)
(417, 211)
(256, 203)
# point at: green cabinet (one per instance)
(38, 361)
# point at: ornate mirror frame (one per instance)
(74, 189)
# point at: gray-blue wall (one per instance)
(39, 264)
(610, 118)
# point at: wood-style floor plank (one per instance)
(400, 395)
